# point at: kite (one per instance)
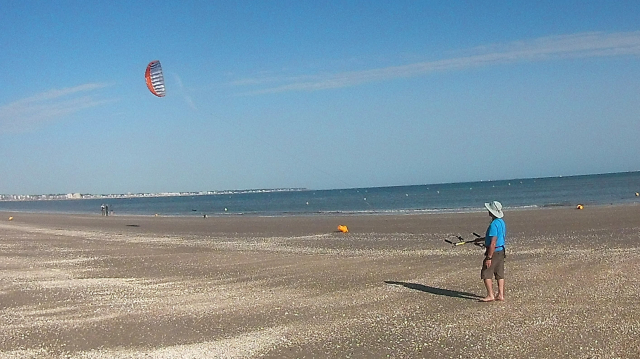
(155, 79)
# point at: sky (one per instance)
(314, 94)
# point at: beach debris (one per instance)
(580, 206)
(155, 79)
(343, 229)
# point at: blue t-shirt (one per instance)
(497, 228)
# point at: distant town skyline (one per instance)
(77, 195)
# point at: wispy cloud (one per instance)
(186, 97)
(34, 112)
(582, 45)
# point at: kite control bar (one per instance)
(461, 241)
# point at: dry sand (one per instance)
(291, 287)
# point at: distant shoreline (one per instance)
(382, 213)
(565, 192)
(76, 195)
(334, 214)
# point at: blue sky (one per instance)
(314, 94)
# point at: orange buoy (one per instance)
(579, 206)
(343, 229)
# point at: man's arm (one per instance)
(490, 250)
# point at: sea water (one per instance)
(615, 188)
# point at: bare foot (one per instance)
(487, 299)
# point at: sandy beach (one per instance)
(80, 286)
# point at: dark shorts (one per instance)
(497, 267)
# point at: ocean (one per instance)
(600, 189)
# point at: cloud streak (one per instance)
(186, 97)
(36, 111)
(582, 45)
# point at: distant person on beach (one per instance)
(494, 242)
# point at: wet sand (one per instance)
(292, 287)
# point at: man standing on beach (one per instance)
(493, 263)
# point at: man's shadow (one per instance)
(436, 291)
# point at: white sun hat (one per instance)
(495, 208)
